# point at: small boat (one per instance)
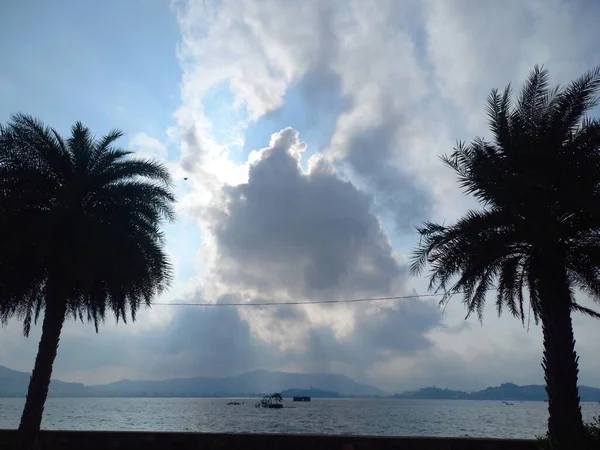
(234, 403)
(274, 401)
(508, 403)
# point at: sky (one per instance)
(310, 134)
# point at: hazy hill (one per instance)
(434, 393)
(259, 381)
(14, 384)
(506, 391)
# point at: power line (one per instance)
(307, 302)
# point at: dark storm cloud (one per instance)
(309, 234)
(210, 341)
(399, 328)
(322, 92)
(372, 156)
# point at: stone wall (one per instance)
(110, 440)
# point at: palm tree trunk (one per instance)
(565, 424)
(54, 317)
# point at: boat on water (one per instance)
(274, 401)
(235, 403)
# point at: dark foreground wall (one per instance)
(101, 440)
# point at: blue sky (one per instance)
(109, 64)
(315, 122)
(375, 93)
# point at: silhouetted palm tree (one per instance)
(80, 234)
(538, 230)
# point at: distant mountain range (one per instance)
(14, 384)
(317, 385)
(506, 391)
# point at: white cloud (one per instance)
(146, 146)
(475, 46)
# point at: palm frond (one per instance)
(510, 293)
(475, 299)
(104, 152)
(583, 265)
(532, 99)
(472, 252)
(482, 171)
(585, 310)
(81, 147)
(498, 110)
(35, 143)
(129, 169)
(574, 101)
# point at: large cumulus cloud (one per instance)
(289, 235)
(311, 234)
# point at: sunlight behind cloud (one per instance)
(304, 146)
(401, 107)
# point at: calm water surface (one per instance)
(339, 416)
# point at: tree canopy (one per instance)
(82, 217)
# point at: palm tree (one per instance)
(538, 230)
(80, 225)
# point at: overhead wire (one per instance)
(304, 302)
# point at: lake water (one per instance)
(340, 416)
